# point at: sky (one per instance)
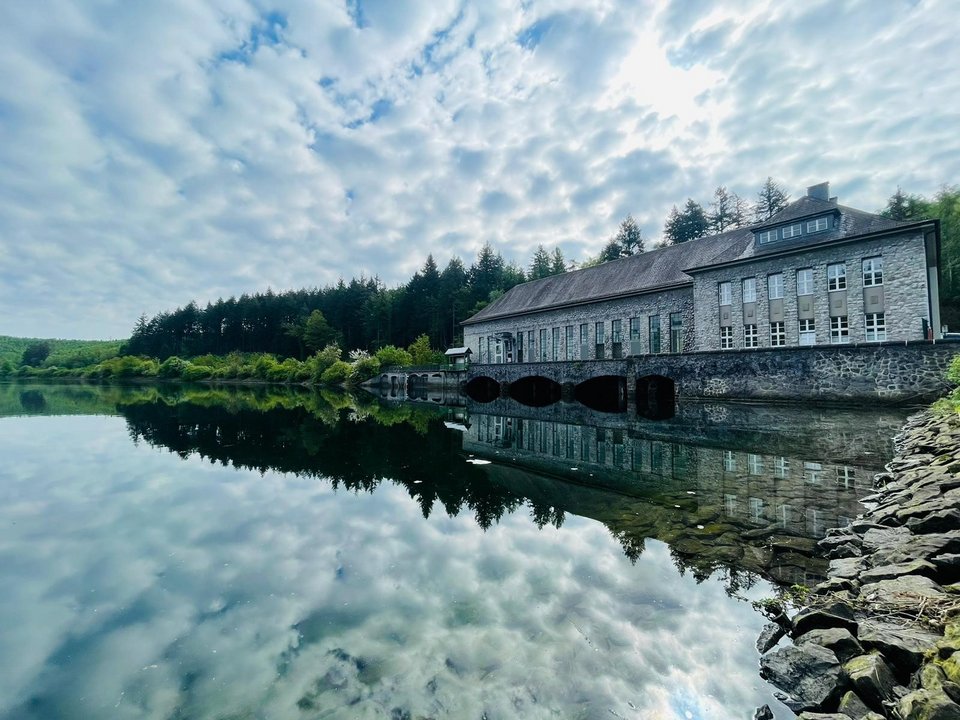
(154, 153)
(168, 586)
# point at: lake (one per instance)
(196, 552)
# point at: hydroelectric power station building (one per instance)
(816, 276)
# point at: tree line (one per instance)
(364, 314)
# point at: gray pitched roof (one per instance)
(654, 270)
(667, 267)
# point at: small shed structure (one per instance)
(459, 357)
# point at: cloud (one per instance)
(152, 156)
(168, 583)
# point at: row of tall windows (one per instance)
(874, 323)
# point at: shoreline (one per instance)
(880, 638)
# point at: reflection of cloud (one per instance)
(140, 583)
(209, 148)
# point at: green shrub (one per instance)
(392, 355)
(6, 368)
(953, 373)
(364, 368)
(320, 361)
(264, 365)
(192, 372)
(171, 367)
(336, 373)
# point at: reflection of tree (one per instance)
(543, 514)
(411, 448)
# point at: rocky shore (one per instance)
(880, 638)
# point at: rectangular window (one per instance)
(750, 337)
(775, 286)
(875, 327)
(725, 293)
(569, 342)
(616, 331)
(654, 323)
(543, 345)
(766, 236)
(749, 290)
(481, 346)
(726, 338)
(873, 271)
(839, 330)
(519, 350)
(837, 277)
(805, 281)
(555, 332)
(676, 332)
(599, 340)
(778, 334)
(781, 467)
(808, 332)
(729, 461)
(584, 334)
(634, 328)
(816, 225)
(792, 230)
(531, 349)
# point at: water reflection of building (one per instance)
(745, 493)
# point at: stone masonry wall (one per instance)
(904, 283)
(889, 372)
(641, 307)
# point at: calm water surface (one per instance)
(195, 553)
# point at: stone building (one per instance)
(816, 273)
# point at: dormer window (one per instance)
(767, 236)
(792, 230)
(817, 225)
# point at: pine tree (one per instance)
(629, 237)
(728, 211)
(558, 264)
(687, 225)
(770, 200)
(540, 266)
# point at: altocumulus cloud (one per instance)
(172, 585)
(153, 153)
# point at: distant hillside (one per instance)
(63, 353)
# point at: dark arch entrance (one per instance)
(656, 397)
(535, 391)
(606, 393)
(482, 389)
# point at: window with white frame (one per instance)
(875, 327)
(778, 334)
(756, 509)
(839, 330)
(792, 230)
(813, 472)
(726, 338)
(568, 337)
(750, 338)
(808, 332)
(872, 271)
(729, 461)
(544, 348)
(781, 467)
(775, 286)
(755, 464)
(725, 293)
(749, 290)
(817, 225)
(766, 236)
(805, 281)
(846, 476)
(837, 277)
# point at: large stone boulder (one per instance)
(835, 614)
(871, 678)
(928, 705)
(809, 674)
(843, 644)
(904, 646)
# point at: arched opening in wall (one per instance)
(606, 393)
(417, 387)
(535, 391)
(656, 397)
(482, 389)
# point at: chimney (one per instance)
(819, 192)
